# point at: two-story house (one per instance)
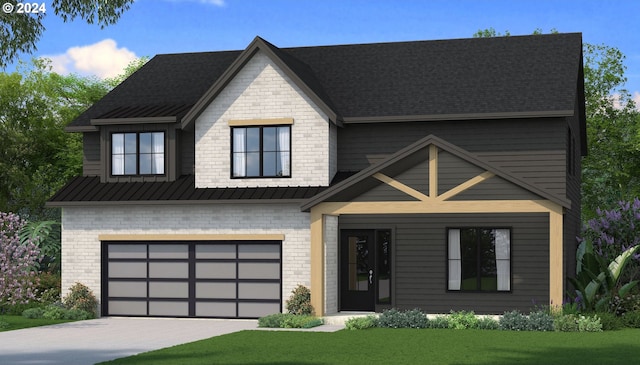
(441, 175)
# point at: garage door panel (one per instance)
(259, 270)
(215, 270)
(168, 251)
(225, 279)
(128, 269)
(216, 290)
(179, 270)
(216, 309)
(168, 290)
(173, 309)
(255, 310)
(127, 308)
(133, 289)
(259, 291)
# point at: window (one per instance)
(479, 259)
(137, 153)
(261, 151)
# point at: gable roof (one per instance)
(407, 152)
(501, 77)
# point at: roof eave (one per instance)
(461, 116)
(63, 204)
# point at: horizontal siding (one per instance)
(383, 192)
(453, 171)
(416, 177)
(496, 188)
(91, 154)
(186, 148)
(420, 260)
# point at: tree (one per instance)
(21, 32)
(36, 156)
(18, 262)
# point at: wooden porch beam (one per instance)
(466, 185)
(400, 186)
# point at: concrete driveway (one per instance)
(89, 342)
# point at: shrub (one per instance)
(300, 301)
(487, 323)
(4, 325)
(577, 323)
(566, 323)
(514, 321)
(631, 319)
(394, 318)
(462, 320)
(540, 320)
(82, 298)
(77, 315)
(33, 313)
(439, 322)
(361, 323)
(54, 311)
(589, 324)
(275, 320)
(48, 287)
(610, 321)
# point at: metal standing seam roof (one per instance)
(89, 189)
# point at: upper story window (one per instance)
(261, 151)
(141, 153)
(479, 259)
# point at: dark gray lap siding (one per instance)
(420, 260)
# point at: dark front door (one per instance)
(365, 269)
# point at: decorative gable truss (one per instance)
(432, 176)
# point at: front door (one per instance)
(365, 269)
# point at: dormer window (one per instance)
(263, 151)
(138, 153)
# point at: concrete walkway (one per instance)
(97, 340)
(89, 342)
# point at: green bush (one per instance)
(53, 311)
(4, 325)
(275, 320)
(514, 321)
(394, 318)
(589, 324)
(610, 322)
(462, 320)
(631, 319)
(33, 313)
(566, 323)
(77, 315)
(487, 323)
(439, 322)
(361, 323)
(82, 298)
(540, 320)
(300, 301)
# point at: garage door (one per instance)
(219, 279)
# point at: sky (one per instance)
(153, 27)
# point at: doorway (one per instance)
(365, 269)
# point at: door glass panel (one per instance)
(383, 266)
(358, 263)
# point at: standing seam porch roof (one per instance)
(500, 77)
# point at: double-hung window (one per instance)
(479, 259)
(261, 151)
(140, 153)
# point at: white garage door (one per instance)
(218, 279)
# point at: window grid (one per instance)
(261, 151)
(137, 153)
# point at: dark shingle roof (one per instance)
(89, 189)
(523, 74)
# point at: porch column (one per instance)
(317, 261)
(556, 254)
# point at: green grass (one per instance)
(403, 346)
(19, 322)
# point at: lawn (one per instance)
(19, 322)
(403, 346)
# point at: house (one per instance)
(441, 175)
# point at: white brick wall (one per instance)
(262, 91)
(82, 226)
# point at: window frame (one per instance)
(138, 153)
(261, 151)
(478, 260)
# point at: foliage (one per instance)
(440, 322)
(610, 321)
(394, 318)
(514, 321)
(361, 323)
(47, 235)
(598, 280)
(17, 262)
(80, 297)
(462, 320)
(300, 301)
(631, 319)
(48, 287)
(577, 323)
(19, 33)
(289, 320)
(540, 320)
(54, 311)
(487, 323)
(33, 313)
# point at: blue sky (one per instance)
(170, 26)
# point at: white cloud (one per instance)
(636, 98)
(103, 59)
